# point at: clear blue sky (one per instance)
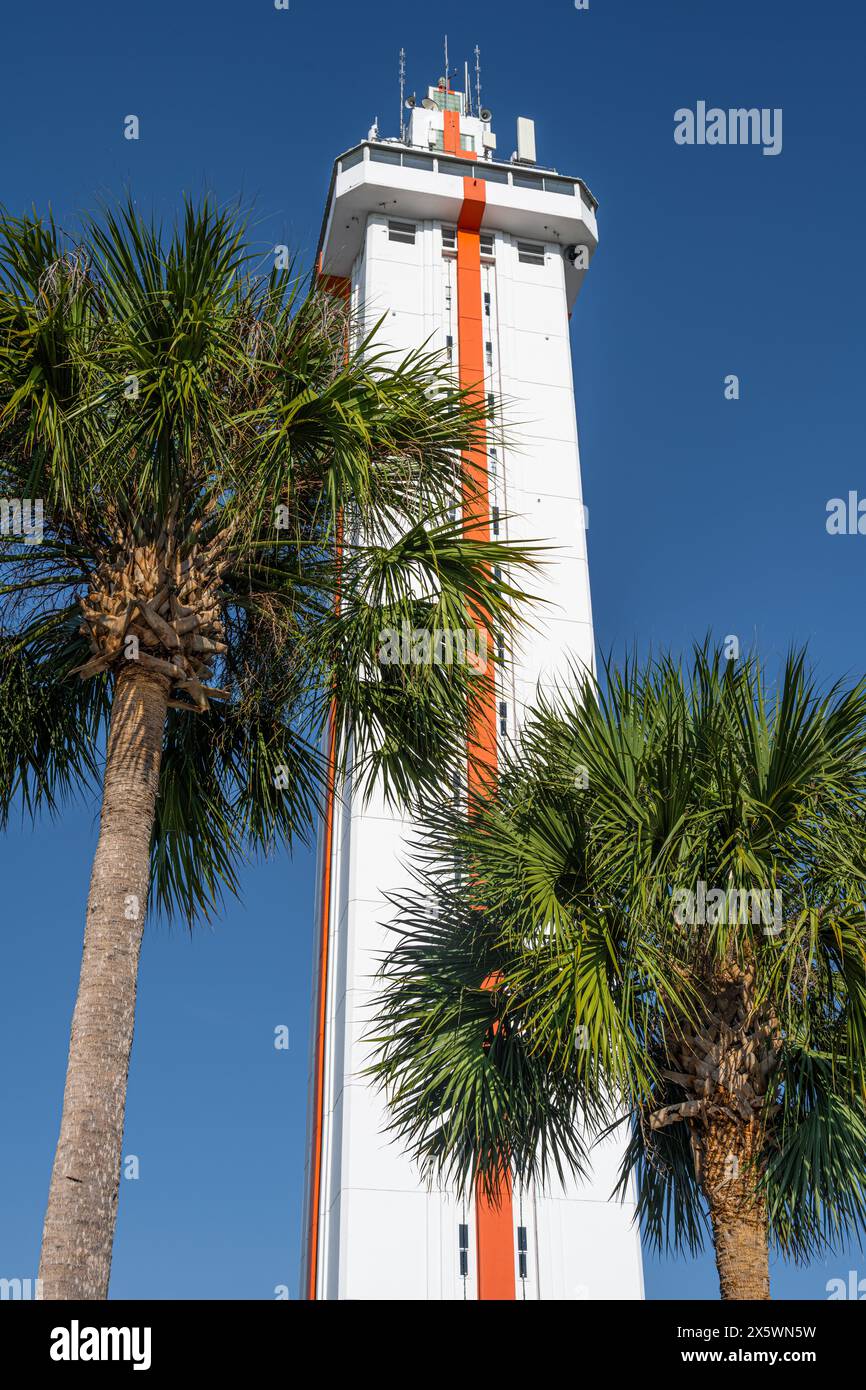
(704, 513)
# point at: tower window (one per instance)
(417, 161)
(522, 1253)
(503, 718)
(449, 238)
(487, 244)
(463, 1249)
(402, 231)
(496, 521)
(380, 156)
(560, 186)
(467, 142)
(491, 403)
(490, 173)
(530, 253)
(447, 101)
(487, 303)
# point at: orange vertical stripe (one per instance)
(321, 1011)
(339, 285)
(494, 1223)
(470, 330)
(494, 1232)
(451, 142)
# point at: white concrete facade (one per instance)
(389, 224)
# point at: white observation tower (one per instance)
(480, 252)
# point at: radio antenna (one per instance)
(478, 78)
(447, 74)
(466, 87)
(402, 91)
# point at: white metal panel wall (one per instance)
(580, 1244)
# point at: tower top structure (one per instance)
(447, 116)
(421, 173)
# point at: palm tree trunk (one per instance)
(82, 1201)
(738, 1214)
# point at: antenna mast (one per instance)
(447, 74)
(467, 88)
(402, 91)
(478, 77)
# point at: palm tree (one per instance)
(672, 877)
(236, 495)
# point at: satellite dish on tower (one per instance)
(485, 114)
(429, 104)
(410, 103)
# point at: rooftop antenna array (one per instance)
(402, 92)
(478, 78)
